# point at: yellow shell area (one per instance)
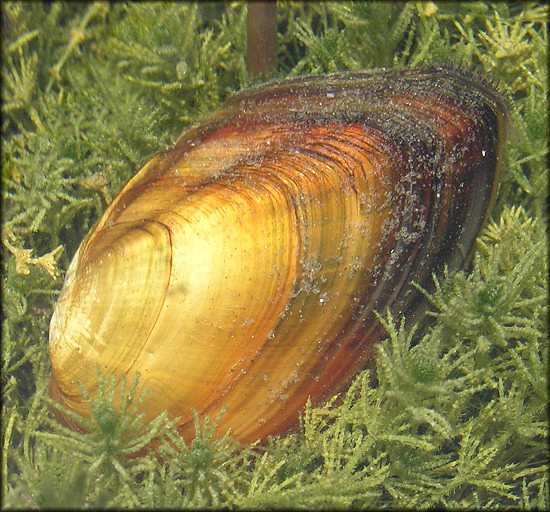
(254, 262)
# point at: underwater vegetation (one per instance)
(453, 412)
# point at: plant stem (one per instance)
(261, 55)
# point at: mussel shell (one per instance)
(242, 267)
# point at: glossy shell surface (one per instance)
(242, 266)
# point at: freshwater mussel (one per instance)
(242, 266)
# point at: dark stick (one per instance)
(261, 56)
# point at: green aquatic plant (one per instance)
(456, 412)
(189, 76)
